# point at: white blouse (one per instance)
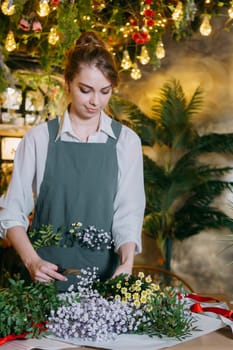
(29, 165)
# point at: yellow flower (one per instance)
(135, 296)
(118, 285)
(117, 297)
(141, 274)
(132, 288)
(143, 300)
(138, 283)
(137, 288)
(123, 290)
(137, 303)
(155, 287)
(144, 293)
(128, 295)
(149, 308)
(148, 279)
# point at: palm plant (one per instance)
(180, 186)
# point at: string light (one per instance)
(177, 15)
(205, 28)
(10, 43)
(160, 51)
(126, 61)
(7, 8)
(135, 72)
(230, 10)
(53, 36)
(44, 8)
(144, 56)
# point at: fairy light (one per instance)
(53, 36)
(144, 56)
(177, 15)
(43, 9)
(205, 28)
(160, 51)
(10, 43)
(126, 61)
(7, 8)
(135, 72)
(230, 10)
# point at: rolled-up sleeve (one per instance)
(17, 203)
(129, 204)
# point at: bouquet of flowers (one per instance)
(99, 311)
(96, 311)
(92, 310)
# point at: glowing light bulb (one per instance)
(144, 56)
(177, 15)
(10, 43)
(205, 28)
(53, 36)
(7, 9)
(135, 72)
(126, 61)
(44, 8)
(160, 51)
(230, 11)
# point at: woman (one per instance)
(83, 167)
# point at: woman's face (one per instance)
(90, 92)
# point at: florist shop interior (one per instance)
(176, 91)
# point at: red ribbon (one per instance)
(10, 337)
(198, 308)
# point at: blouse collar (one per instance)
(105, 125)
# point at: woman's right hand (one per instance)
(39, 269)
(43, 271)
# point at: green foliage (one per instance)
(180, 186)
(45, 236)
(25, 308)
(166, 314)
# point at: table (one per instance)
(221, 339)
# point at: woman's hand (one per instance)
(126, 252)
(39, 269)
(43, 271)
(123, 269)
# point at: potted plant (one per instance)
(180, 185)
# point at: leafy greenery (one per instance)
(150, 309)
(165, 314)
(45, 236)
(180, 185)
(24, 308)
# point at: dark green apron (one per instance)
(79, 185)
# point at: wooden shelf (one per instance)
(10, 130)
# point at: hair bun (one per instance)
(90, 38)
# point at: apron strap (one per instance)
(53, 126)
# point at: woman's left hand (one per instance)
(123, 269)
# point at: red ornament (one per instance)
(37, 27)
(55, 3)
(150, 22)
(148, 2)
(140, 37)
(24, 24)
(149, 13)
